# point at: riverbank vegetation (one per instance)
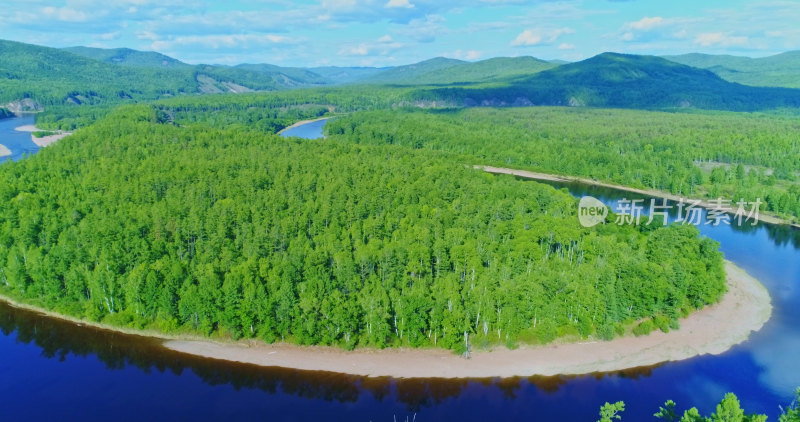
(728, 410)
(709, 154)
(136, 221)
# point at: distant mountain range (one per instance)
(625, 81)
(438, 70)
(84, 75)
(782, 70)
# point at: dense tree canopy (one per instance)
(729, 155)
(139, 222)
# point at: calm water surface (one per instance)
(18, 142)
(52, 370)
(311, 130)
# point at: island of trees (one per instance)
(153, 219)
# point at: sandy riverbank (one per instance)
(44, 140)
(765, 217)
(713, 330)
(4, 151)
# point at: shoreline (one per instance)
(301, 123)
(745, 308)
(44, 140)
(762, 217)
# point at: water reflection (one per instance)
(62, 341)
(50, 368)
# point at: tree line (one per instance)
(728, 155)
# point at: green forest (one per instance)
(57, 78)
(729, 409)
(708, 154)
(139, 221)
(777, 70)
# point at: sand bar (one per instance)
(44, 140)
(765, 217)
(712, 330)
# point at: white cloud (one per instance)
(384, 46)
(464, 55)
(646, 23)
(65, 14)
(220, 41)
(473, 55)
(720, 39)
(527, 37)
(399, 4)
(422, 30)
(648, 29)
(530, 37)
(359, 50)
(566, 46)
(108, 36)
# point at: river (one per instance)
(53, 370)
(19, 143)
(310, 130)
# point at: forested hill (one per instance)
(434, 71)
(410, 74)
(50, 76)
(625, 81)
(781, 70)
(128, 57)
(235, 232)
(487, 70)
(346, 75)
(441, 70)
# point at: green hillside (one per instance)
(624, 81)
(44, 77)
(51, 76)
(240, 78)
(442, 71)
(781, 70)
(128, 57)
(486, 70)
(291, 76)
(344, 75)
(410, 74)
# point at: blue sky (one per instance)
(394, 32)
